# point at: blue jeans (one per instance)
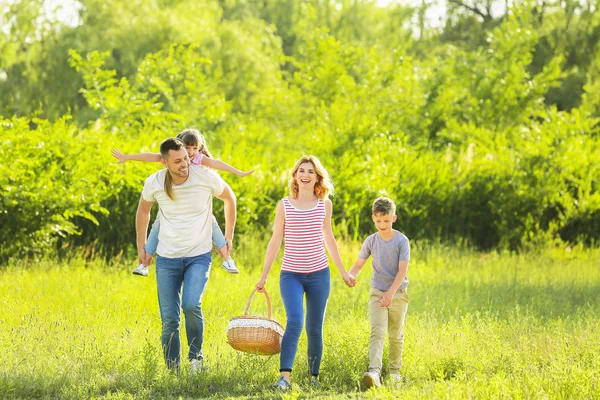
(294, 286)
(171, 274)
(152, 243)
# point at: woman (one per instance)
(304, 219)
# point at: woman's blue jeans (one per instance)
(171, 274)
(294, 287)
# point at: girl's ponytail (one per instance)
(204, 150)
(169, 185)
(166, 146)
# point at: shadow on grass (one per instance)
(215, 385)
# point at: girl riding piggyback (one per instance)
(199, 155)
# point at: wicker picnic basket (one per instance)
(253, 334)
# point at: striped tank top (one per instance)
(304, 249)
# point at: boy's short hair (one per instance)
(383, 205)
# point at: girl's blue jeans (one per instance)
(171, 274)
(294, 287)
(152, 243)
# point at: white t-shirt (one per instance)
(186, 222)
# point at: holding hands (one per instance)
(349, 279)
(144, 258)
(229, 246)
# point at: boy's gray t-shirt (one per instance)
(386, 256)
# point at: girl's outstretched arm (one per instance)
(146, 157)
(223, 166)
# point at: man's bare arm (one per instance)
(142, 219)
(229, 203)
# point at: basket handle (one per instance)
(268, 302)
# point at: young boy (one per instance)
(388, 300)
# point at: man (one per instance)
(184, 194)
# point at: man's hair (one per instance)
(385, 206)
(170, 144)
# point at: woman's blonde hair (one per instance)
(323, 187)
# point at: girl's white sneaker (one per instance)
(230, 267)
(141, 270)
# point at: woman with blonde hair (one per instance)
(304, 219)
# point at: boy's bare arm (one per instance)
(223, 166)
(387, 297)
(357, 267)
(146, 157)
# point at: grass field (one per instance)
(479, 326)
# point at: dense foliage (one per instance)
(485, 129)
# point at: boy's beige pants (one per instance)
(392, 320)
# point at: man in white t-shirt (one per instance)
(184, 195)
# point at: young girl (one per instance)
(199, 155)
(304, 219)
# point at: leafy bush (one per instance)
(461, 138)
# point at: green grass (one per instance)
(479, 326)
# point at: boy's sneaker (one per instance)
(196, 366)
(283, 384)
(395, 380)
(371, 379)
(141, 270)
(230, 267)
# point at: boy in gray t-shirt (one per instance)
(388, 300)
